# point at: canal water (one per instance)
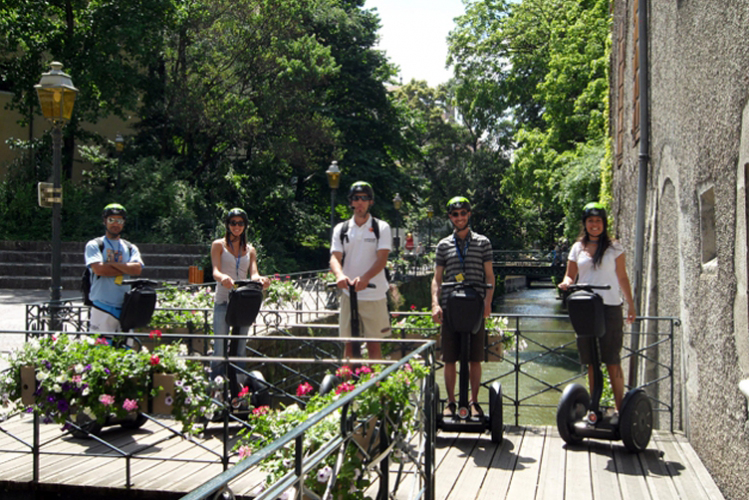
(547, 357)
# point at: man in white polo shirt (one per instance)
(359, 252)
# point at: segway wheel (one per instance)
(329, 383)
(135, 423)
(260, 392)
(571, 409)
(495, 412)
(636, 421)
(90, 427)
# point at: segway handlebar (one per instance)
(335, 285)
(136, 282)
(241, 283)
(585, 286)
(467, 283)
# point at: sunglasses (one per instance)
(360, 198)
(112, 220)
(461, 213)
(236, 223)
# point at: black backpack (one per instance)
(88, 276)
(375, 230)
(137, 307)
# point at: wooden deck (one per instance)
(531, 463)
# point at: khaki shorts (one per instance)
(374, 318)
(102, 321)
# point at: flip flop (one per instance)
(476, 410)
(450, 409)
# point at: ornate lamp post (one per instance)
(56, 97)
(334, 180)
(430, 214)
(397, 202)
(119, 146)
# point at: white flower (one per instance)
(324, 474)
(90, 340)
(85, 392)
(61, 379)
(183, 350)
(41, 376)
(219, 380)
(57, 388)
(79, 368)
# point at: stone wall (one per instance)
(695, 239)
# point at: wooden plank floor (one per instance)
(532, 463)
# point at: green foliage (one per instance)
(416, 322)
(88, 375)
(181, 307)
(282, 293)
(391, 397)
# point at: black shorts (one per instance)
(451, 344)
(610, 345)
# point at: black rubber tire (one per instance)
(636, 421)
(329, 383)
(496, 423)
(260, 391)
(572, 408)
(91, 426)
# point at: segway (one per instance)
(464, 313)
(137, 310)
(635, 424)
(245, 300)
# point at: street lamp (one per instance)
(119, 146)
(56, 97)
(430, 214)
(334, 180)
(397, 201)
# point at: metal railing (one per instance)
(295, 359)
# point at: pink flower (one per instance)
(106, 399)
(261, 410)
(344, 372)
(130, 405)
(304, 389)
(101, 341)
(407, 368)
(413, 307)
(77, 379)
(155, 334)
(363, 369)
(244, 451)
(244, 392)
(155, 360)
(345, 387)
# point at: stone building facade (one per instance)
(695, 236)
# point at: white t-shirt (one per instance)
(360, 254)
(604, 274)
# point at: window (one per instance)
(707, 225)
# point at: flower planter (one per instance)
(195, 274)
(367, 438)
(164, 400)
(400, 350)
(494, 348)
(28, 385)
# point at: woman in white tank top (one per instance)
(233, 259)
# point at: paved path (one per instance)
(13, 313)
